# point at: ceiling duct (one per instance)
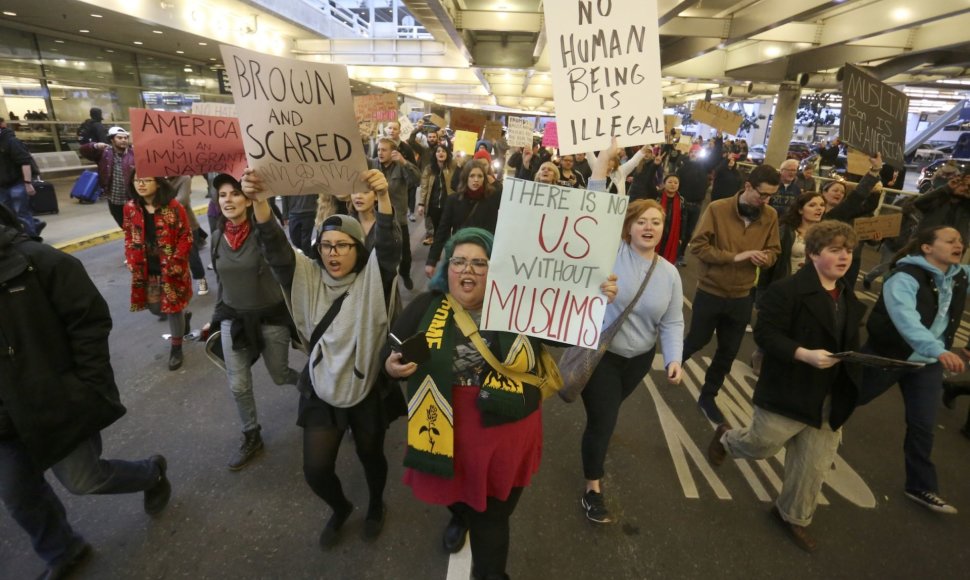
(752, 89)
(819, 81)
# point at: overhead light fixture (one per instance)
(9, 13)
(157, 32)
(138, 42)
(203, 44)
(772, 51)
(96, 16)
(84, 30)
(108, 50)
(901, 14)
(179, 52)
(58, 41)
(212, 58)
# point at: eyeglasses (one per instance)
(476, 265)
(763, 194)
(144, 181)
(340, 248)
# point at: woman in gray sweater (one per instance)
(250, 312)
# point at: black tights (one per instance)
(489, 534)
(320, 448)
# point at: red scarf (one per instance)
(670, 242)
(236, 235)
(475, 194)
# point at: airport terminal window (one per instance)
(18, 54)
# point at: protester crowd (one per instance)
(764, 241)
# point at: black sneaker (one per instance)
(408, 283)
(157, 496)
(931, 501)
(709, 408)
(595, 507)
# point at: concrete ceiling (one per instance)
(493, 53)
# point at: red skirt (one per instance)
(489, 461)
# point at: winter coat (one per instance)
(174, 240)
(797, 312)
(57, 386)
(105, 158)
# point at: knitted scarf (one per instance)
(670, 242)
(431, 422)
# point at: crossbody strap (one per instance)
(327, 319)
(470, 330)
(633, 303)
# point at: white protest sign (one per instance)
(605, 72)
(214, 109)
(298, 123)
(554, 246)
(519, 132)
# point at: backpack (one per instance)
(85, 133)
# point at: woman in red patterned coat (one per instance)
(157, 244)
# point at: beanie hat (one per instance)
(483, 154)
(96, 114)
(344, 224)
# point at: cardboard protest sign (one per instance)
(554, 246)
(878, 227)
(298, 123)
(382, 107)
(438, 121)
(214, 109)
(407, 127)
(465, 142)
(367, 128)
(857, 162)
(873, 116)
(683, 142)
(493, 130)
(605, 72)
(671, 122)
(721, 119)
(184, 144)
(465, 120)
(550, 135)
(520, 132)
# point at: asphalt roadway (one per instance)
(678, 516)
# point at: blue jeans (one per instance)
(15, 197)
(276, 351)
(922, 389)
(36, 508)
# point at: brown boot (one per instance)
(798, 534)
(716, 452)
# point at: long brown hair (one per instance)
(915, 245)
(466, 171)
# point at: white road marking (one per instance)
(460, 564)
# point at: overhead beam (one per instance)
(703, 27)
(887, 16)
(670, 9)
(500, 21)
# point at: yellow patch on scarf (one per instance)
(431, 421)
(519, 358)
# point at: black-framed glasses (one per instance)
(476, 265)
(143, 180)
(340, 248)
(765, 195)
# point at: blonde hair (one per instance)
(326, 207)
(552, 166)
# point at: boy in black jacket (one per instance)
(803, 395)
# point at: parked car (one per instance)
(925, 181)
(927, 154)
(756, 154)
(799, 150)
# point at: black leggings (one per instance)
(489, 534)
(613, 380)
(320, 448)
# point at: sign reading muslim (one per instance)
(554, 246)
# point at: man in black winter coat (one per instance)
(803, 395)
(57, 392)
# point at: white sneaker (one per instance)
(203, 287)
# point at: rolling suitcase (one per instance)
(86, 188)
(44, 200)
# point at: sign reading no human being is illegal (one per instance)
(298, 123)
(554, 246)
(605, 72)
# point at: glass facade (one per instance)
(48, 84)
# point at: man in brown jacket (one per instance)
(735, 237)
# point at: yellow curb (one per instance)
(106, 236)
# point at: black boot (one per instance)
(251, 445)
(175, 358)
(952, 390)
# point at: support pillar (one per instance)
(782, 124)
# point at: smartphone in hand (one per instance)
(413, 349)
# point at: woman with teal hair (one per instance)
(474, 433)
